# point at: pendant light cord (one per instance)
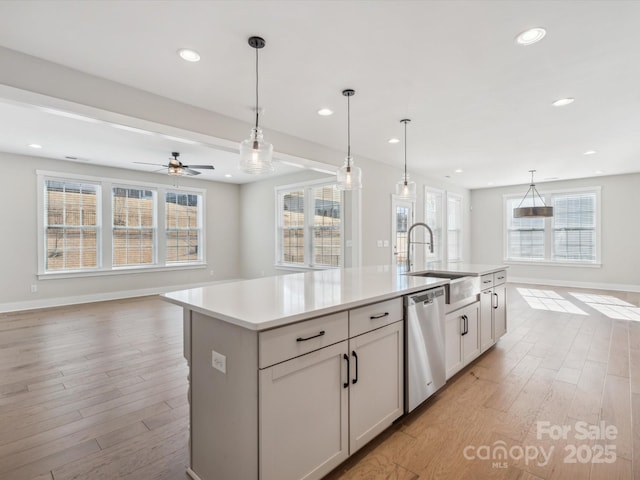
(257, 109)
(405, 153)
(349, 130)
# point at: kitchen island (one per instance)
(290, 375)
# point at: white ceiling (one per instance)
(478, 101)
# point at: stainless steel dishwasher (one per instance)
(425, 357)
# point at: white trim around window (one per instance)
(104, 206)
(303, 257)
(545, 249)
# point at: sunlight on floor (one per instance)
(610, 306)
(549, 300)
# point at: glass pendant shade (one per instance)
(349, 177)
(256, 154)
(406, 189)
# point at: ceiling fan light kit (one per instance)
(255, 152)
(349, 177)
(532, 211)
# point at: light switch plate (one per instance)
(386, 243)
(218, 361)
(379, 243)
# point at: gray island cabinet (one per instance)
(291, 375)
(295, 401)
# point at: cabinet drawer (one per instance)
(486, 281)
(376, 315)
(500, 277)
(283, 343)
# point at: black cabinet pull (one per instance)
(346, 384)
(486, 281)
(500, 278)
(464, 326)
(380, 315)
(496, 305)
(355, 380)
(300, 339)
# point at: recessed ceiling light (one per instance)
(325, 112)
(458, 170)
(598, 172)
(590, 152)
(35, 145)
(394, 140)
(531, 36)
(189, 55)
(563, 101)
(228, 175)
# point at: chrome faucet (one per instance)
(409, 242)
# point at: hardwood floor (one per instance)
(98, 391)
(94, 391)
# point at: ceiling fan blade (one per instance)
(201, 167)
(189, 171)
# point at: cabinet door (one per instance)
(453, 343)
(303, 412)
(486, 319)
(471, 340)
(500, 311)
(376, 393)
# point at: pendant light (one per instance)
(349, 177)
(405, 189)
(255, 153)
(532, 211)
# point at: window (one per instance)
(433, 218)
(133, 226)
(183, 227)
(402, 219)
(72, 225)
(454, 227)
(574, 226)
(327, 226)
(570, 236)
(525, 236)
(309, 226)
(71, 234)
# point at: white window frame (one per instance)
(200, 228)
(105, 261)
(154, 228)
(459, 198)
(42, 230)
(438, 254)
(308, 264)
(548, 231)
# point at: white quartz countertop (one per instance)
(269, 302)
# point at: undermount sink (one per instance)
(460, 288)
(450, 276)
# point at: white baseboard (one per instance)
(96, 297)
(192, 474)
(620, 287)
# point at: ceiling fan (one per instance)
(176, 167)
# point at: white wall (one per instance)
(620, 234)
(18, 241)
(63, 84)
(379, 180)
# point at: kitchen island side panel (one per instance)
(224, 406)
